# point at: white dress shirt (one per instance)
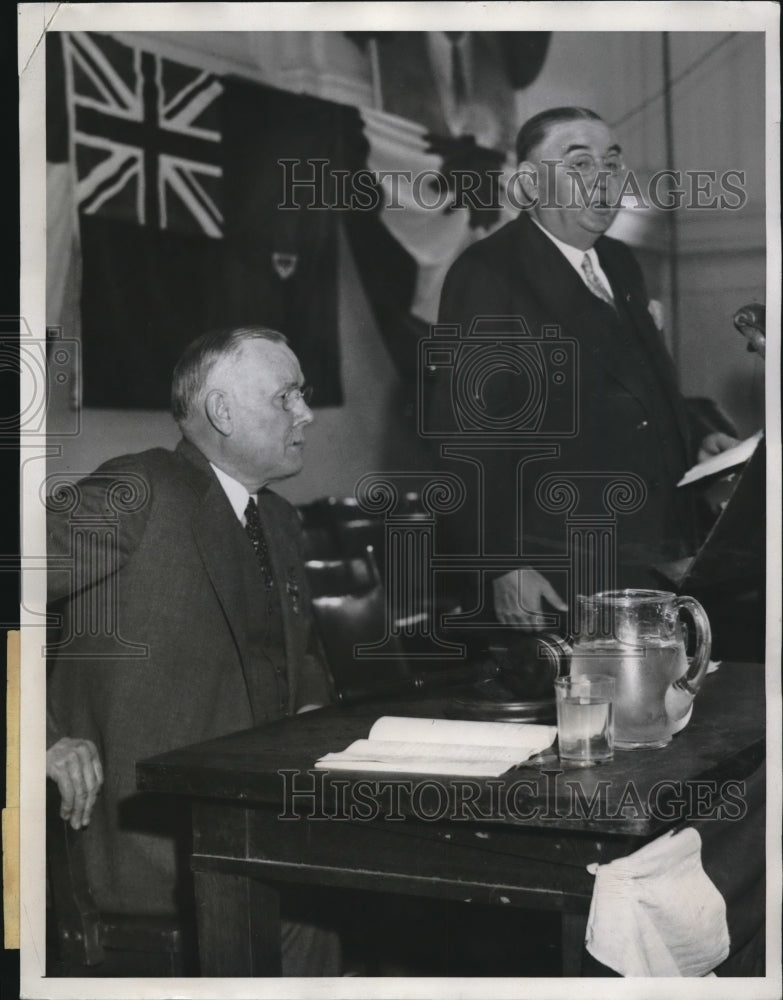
(574, 257)
(236, 493)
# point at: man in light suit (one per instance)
(200, 563)
(554, 267)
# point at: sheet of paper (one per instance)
(486, 769)
(457, 731)
(737, 455)
(441, 746)
(428, 758)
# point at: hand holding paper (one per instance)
(727, 459)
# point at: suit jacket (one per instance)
(182, 652)
(608, 403)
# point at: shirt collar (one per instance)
(236, 492)
(573, 255)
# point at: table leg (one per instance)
(238, 925)
(574, 927)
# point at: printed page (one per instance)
(473, 734)
(426, 758)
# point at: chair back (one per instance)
(350, 609)
(332, 577)
(76, 917)
(91, 942)
(354, 535)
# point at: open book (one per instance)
(728, 459)
(442, 746)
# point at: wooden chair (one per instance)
(92, 943)
(354, 535)
(349, 604)
(336, 527)
(351, 609)
(326, 511)
(318, 543)
(335, 576)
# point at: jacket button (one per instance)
(641, 426)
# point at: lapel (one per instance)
(594, 324)
(632, 297)
(564, 296)
(234, 574)
(284, 563)
(224, 551)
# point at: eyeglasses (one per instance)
(587, 166)
(292, 396)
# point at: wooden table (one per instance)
(523, 840)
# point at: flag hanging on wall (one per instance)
(177, 187)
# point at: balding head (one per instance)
(191, 373)
(239, 397)
(535, 129)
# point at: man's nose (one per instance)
(607, 183)
(302, 413)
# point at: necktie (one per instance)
(256, 536)
(269, 622)
(594, 283)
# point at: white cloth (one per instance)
(656, 912)
(432, 236)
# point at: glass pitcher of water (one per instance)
(636, 636)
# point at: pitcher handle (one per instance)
(692, 680)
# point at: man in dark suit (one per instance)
(198, 577)
(613, 407)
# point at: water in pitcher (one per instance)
(642, 676)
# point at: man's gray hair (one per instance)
(200, 356)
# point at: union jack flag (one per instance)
(146, 139)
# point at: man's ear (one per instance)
(218, 411)
(526, 183)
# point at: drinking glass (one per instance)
(585, 719)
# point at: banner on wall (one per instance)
(177, 179)
(176, 188)
(419, 223)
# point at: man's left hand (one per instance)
(714, 444)
(75, 766)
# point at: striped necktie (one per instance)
(594, 283)
(256, 536)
